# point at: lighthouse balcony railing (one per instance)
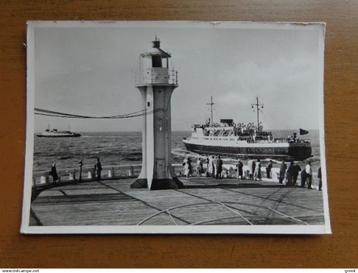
(157, 75)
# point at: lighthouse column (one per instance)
(156, 85)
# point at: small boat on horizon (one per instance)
(57, 133)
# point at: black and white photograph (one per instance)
(175, 127)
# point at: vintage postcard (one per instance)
(175, 127)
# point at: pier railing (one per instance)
(41, 178)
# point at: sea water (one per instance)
(117, 148)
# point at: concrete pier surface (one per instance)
(203, 201)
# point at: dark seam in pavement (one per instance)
(267, 198)
(216, 202)
(283, 195)
(33, 215)
(65, 194)
(230, 206)
(269, 216)
(278, 202)
(264, 198)
(73, 199)
(145, 203)
(211, 201)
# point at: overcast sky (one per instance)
(91, 71)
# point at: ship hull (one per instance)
(286, 151)
(59, 136)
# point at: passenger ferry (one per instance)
(245, 141)
(57, 133)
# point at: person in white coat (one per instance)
(308, 170)
(257, 172)
(210, 166)
(186, 165)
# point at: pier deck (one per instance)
(203, 201)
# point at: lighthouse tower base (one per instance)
(158, 184)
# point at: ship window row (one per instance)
(254, 150)
(215, 138)
(265, 150)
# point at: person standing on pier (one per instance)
(207, 166)
(211, 166)
(215, 167)
(289, 174)
(303, 178)
(268, 170)
(296, 171)
(199, 166)
(190, 166)
(257, 172)
(53, 172)
(239, 169)
(253, 167)
(187, 167)
(283, 168)
(219, 167)
(81, 165)
(251, 164)
(308, 170)
(98, 169)
(319, 175)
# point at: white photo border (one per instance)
(161, 229)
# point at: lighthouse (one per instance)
(156, 82)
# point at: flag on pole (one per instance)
(303, 132)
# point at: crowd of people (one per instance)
(212, 166)
(290, 175)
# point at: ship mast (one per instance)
(257, 107)
(211, 104)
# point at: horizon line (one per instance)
(139, 131)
